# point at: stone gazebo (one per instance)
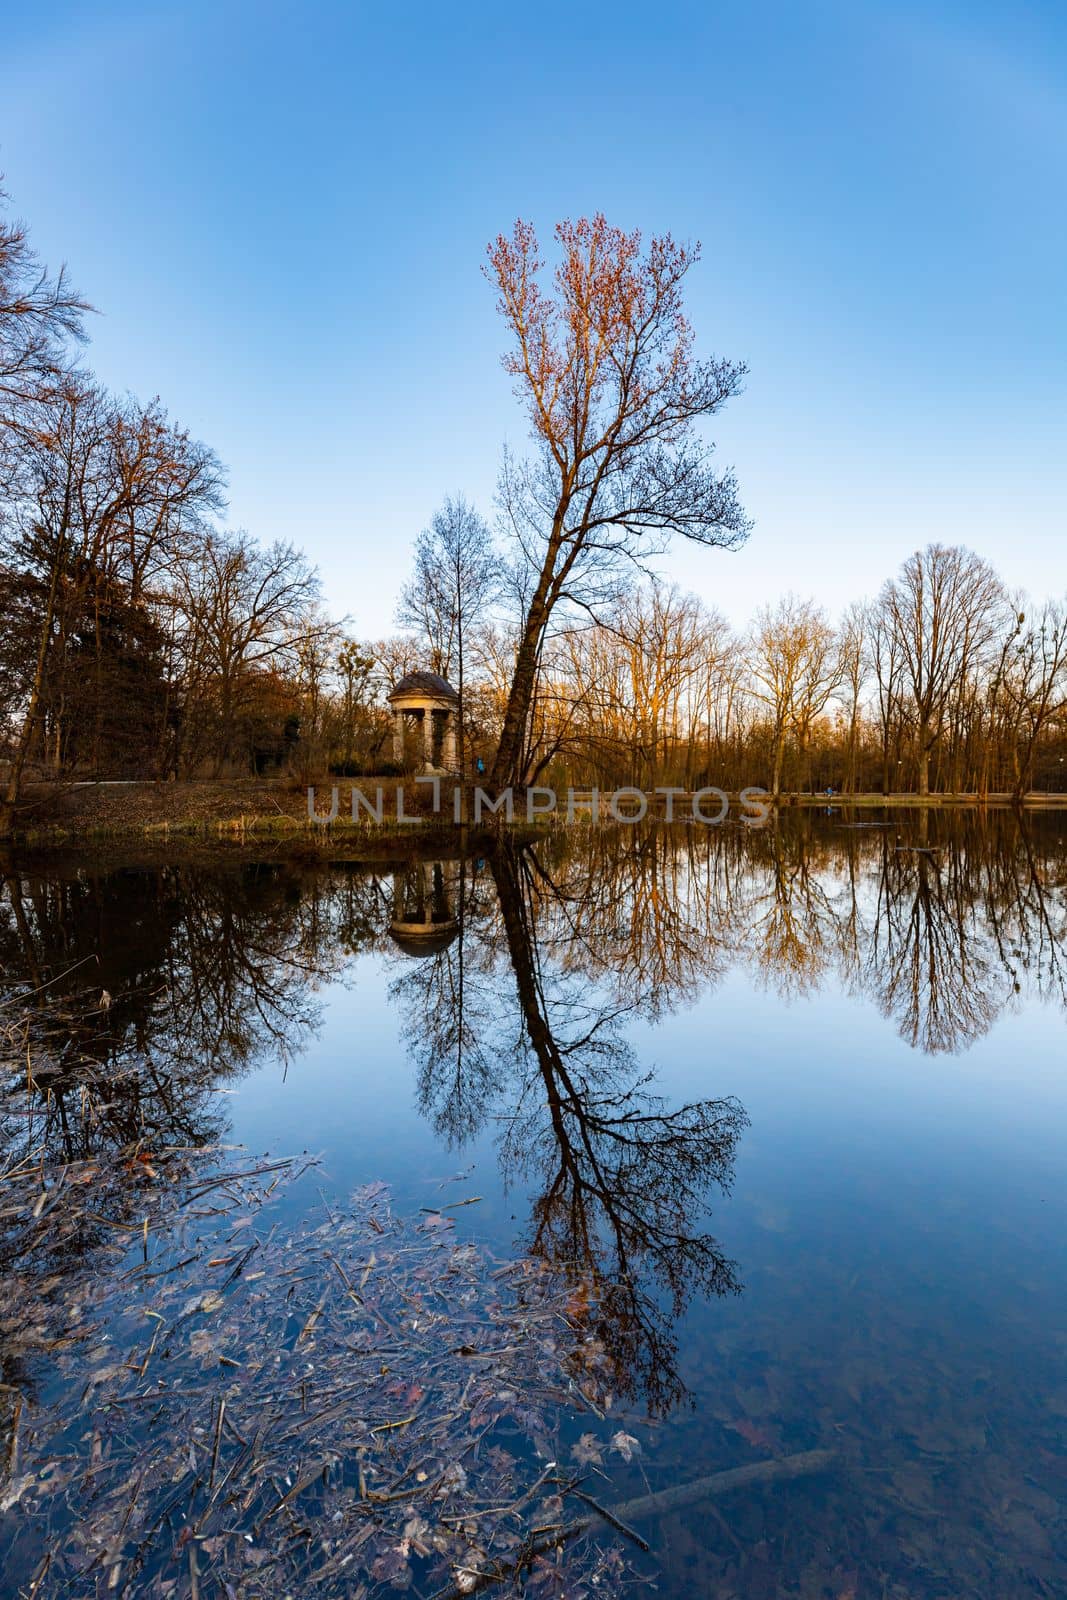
(430, 702)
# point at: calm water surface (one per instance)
(794, 1100)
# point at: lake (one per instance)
(784, 1108)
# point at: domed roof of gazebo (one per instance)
(424, 942)
(429, 685)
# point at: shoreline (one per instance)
(233, 815)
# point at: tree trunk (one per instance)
(924, 760)
(18, 763)
(460, 688)
(507, 762)
(98, 675)
(779, 752)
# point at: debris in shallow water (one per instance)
(279, 1431)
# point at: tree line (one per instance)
(140, 637)
(944, 682)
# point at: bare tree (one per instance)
(884, 654)
(316, 647)
(795, 663)
(853, 662)
(454, 582)
(61, 485)
(102, 495)
(394, 657)
(1029, 690)
(40, 318)
(244, 611)
(944, 611)
(605, 366)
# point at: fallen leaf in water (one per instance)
(587, 1452)
(14, 1492)
(626, 1445)
(752, 1434)
(151, 1423)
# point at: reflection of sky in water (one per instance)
(849, 1124)
(897, 1218)
(352, 1098)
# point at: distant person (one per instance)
(480, 765)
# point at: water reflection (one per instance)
(515, 979)
(143, 993)
(620, 1181)
(424, 920)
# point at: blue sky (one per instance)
(281, 212)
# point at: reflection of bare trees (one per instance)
(651, 911)
(1026, 892)
(509, 1023)
(942, 925)
(448, 1005)
(140, 993)
(623, 1180)
(146, 990)
(943, 921)
(791, 914)
(929, 959)
(609, 924)
(133, 996)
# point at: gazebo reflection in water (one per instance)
(424, 919)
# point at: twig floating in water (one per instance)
(612, 1517)
(660, 1503)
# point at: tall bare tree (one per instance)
(101, 497)
(605, 366)
(884, 659)
(853, 662)
(796, 667)
(449, 593)
(245, 610)
(943, 611)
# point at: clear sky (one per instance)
(281, 212)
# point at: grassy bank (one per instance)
(251, 817)
(274, 813)
(223, 812)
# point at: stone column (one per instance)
(449, 750)
(398, 737)
(427, 735)
(415, 897)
